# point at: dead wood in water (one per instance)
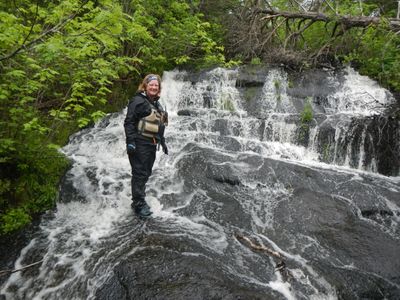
(254, 246)
(280, 265)
(6, 272)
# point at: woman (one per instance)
(144, 129)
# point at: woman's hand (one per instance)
(164, 148)
(130, 148)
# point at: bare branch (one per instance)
(6, 272)
(334, 29)
(259, 248)
(299, 5)
(330, 6)
(347, 21)
(269, 5)
(27, 36)
(272, 33)
(280, 265)
(298, 33)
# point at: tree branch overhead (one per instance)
(347, 21)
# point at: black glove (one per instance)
(130, 148)
(164, 148)
(165, 118)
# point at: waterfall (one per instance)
(241, 163)
(338, 134)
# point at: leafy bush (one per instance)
(14, 219)
(378, 56)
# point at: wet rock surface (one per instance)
(318, 216)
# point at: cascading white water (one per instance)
(359, 95)
(93, 228)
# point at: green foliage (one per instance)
(307, 114)
(36, 172)
(5, 186)
(176, 35)
(255, 61)
(378, 56)
(13, 220)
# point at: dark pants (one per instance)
(142, 162)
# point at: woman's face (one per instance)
(152, 88)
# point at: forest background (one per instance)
(64, 64)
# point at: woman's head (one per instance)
(151, 84)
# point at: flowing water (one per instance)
(250, 203)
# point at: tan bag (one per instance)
(150, 125)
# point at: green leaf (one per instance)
(97, 115)
(15, 74)
(82, 122)
(14, 219)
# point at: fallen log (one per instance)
(346, 21)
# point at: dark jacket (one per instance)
(139, 107)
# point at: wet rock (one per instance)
(252, 76)
(113, 289)
(368, 213)
(231, 181)
(358, 257)
(184, 112)
(164, 273)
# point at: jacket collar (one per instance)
(145, 95)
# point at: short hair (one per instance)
(142, 87)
